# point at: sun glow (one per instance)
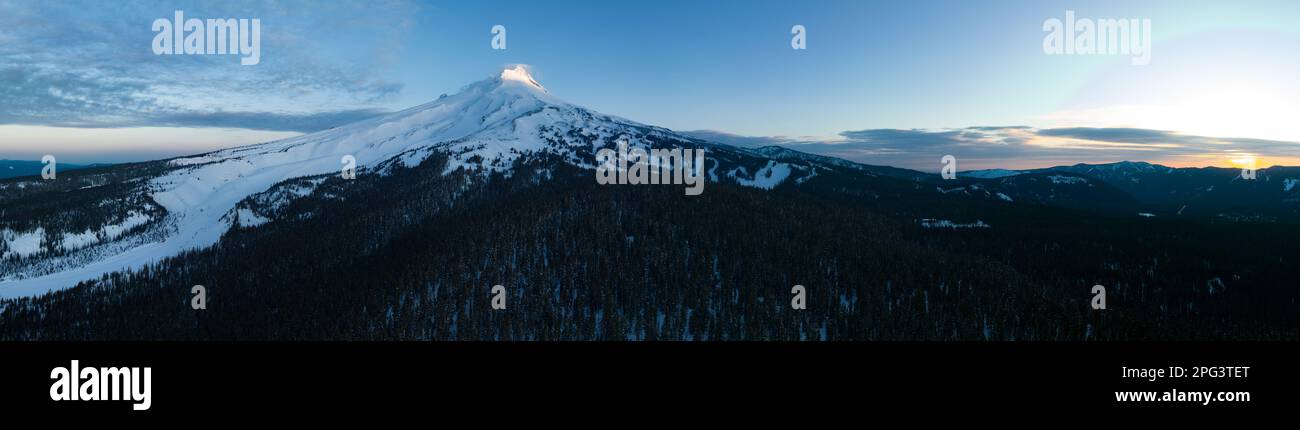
(1246, 162)
(1232, 109)
(1238, 109)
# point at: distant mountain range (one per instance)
(17, 168)
(1274, 193)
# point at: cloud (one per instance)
(1120, 135)
(1023, 147)
(746, 141)
(1174, 141)
(303, 123)
(89, 64)
(69, 99)
(914, 139)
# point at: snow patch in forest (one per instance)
(1058, 179)
(812, 173)
(943, 223)
(22, 244)
(74, 241)
(766, 178)
(249, 219)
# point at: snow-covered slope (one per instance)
(483, 128)
(484, 119)
(492, 122)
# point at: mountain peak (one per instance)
(519, 73)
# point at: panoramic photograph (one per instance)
(284, 175)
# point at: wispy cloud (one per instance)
(60, 68)
(303, 123)
(748, 141)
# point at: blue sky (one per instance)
(880, 82)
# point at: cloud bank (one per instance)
(987, 147)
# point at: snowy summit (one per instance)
(519, 73)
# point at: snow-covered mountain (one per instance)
(484, 128)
